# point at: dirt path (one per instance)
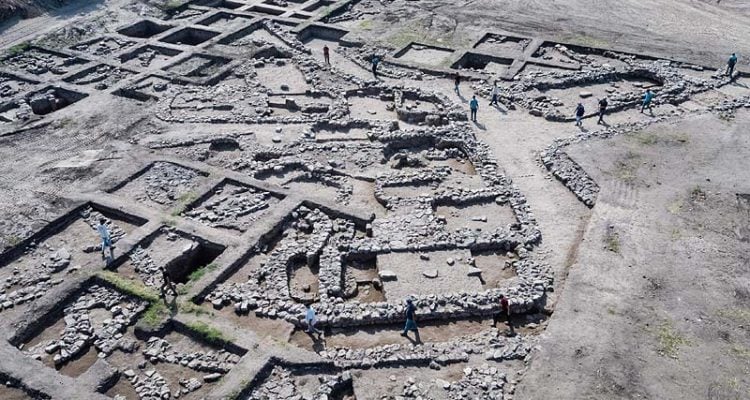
(515, 137)
(18, 30)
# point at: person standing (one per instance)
(166, 283)
(495, 94)
(730, 65)
(106, 240)
(602, 110)
(474, 107)
(647, 100)
(411, 323)
(375, 62)
(457, 83)
(310, 319)
(580, 111)
(326, 54)
(504, 311)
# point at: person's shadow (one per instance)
(480, 126)
(498, 108)
(417, 339)
(461, 96)
(319, 343)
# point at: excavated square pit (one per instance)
(178, 360)
(185, 12)
(198, 65)
(11, 85)
(144, 29)
(42, 63)
(502, 44)
(68, 246)
(252, 36)
(149, 56)
(318, 5)
(226, 21)
(424, 54)
(190, 36)
(161, 185)
(482, 62)
(103, 46)
(185, 257)
(94, 334)
(266, 10)
(100, 77)
(51, 99)
(232, 206)
(230, 5)
(151, 87)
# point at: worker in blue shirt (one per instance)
(474, 106)
(730, 65)
(647, 100)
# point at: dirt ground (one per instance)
(656, 303)
(651, 294)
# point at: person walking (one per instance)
(375, 62)
(730, 65)
(166, 283)
(411, 324)
(326, 54)
(504, 311)
(474, 106)
(106, 240)
(602, 110)
(647, 100)
(457, 83)
(495, 94)
(310, 319)
(580, 111)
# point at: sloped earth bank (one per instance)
(657, 302)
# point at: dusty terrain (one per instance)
(216, 143)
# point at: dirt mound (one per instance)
(25, 8)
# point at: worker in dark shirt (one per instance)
(166, 283)
(411, 324)
(580, 112)
(602, 110)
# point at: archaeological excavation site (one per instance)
(374, 199)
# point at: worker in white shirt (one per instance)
(106, 240)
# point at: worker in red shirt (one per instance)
(504, 311)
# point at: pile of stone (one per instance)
(279, 385)
(39, 63)
(34, 278)
(233, 207)
(81, 332)
(213, 363)
(150, 384)
(35, 274)
(103, 76)
(103, 47)
(145, 267)
(165, 182)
